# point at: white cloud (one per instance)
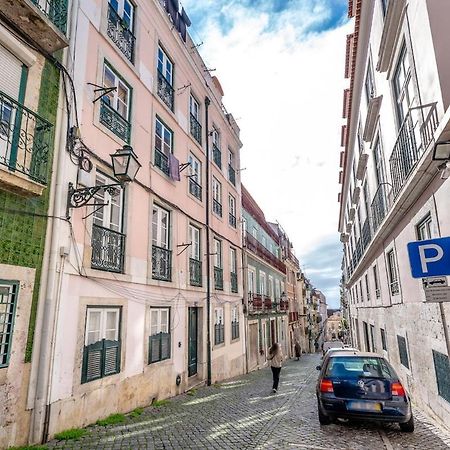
(285, 90)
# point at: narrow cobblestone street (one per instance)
(243, 414)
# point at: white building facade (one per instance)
(396, 110)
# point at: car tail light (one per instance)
(398, 390)
(326, 386)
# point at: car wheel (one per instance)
(323, 419)
(408, 427)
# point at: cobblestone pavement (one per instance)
(243, 414)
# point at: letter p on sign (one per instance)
(430, 258)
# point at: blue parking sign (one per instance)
(430, 258)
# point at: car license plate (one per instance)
(364, 406)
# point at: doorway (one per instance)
(192, 341)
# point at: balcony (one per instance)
(162, 161)
(120, 34)
(114, 121)
(25, 143)
(231, 175)
(195, 189)
(218, 278)
(258, 249)
(234, 282)
(165, 91)
(380, 206)
(217, 208)
(161, 263)
(44, 21)
(263, 304)
(108, 249)
(232, 220)
(195, 272)
(217, 156)
(196, 129)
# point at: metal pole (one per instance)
(444, 324)
(208, 256)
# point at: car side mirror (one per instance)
(318, 367)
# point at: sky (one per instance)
(281, 66)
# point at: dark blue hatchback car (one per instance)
(362, 386)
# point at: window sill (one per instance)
(19, 184)
(219, 345)
(160, 362)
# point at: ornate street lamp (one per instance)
(441, 152)
(125, 166)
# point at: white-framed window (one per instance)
(251, 279)
(165, 66)
(195, 169)
(217, 196)
(194, 108)
(160, 227)
(230, 158)
(262, 283)
(125, 9)
(159, 337)
(101, 343)
(8, 303)
(216, 137)
(219, 326)
(234, 322)
(271, 292)
(392, 272)
(376, 281)
(277, 289)
(423, 229)
(403, 85)
(194, 235)
(217, 253)
(366, 279)
(255, 233)
(118, 99)
(264, 241)
(233, 260)
(110, 215)
(232, 211)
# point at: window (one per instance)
(107, 240)
(216, 152)
(442, 368)
(277, 289)
(234, 323)
(255, 233)
(403, 86)
(366, 279)
(370, 82)
(165, 78)
(271, 290)
(217, 197)
(366, 336)
(423, 229)
(392, 272)
(163, 145)
(361, 290)
(8, 301)
(219, 332)
(195, 263)
(376, 281)
(372, 337)
(262, 283)
(195, 177)
(115, 105)
(232, 211)
(161, 254)
(264, 241)
(233, 270)
(357, 293)
(101, 355)
(218, 268)
(383, 339)
(403, 351)
(194, 114)
(231, 169)
(159, 339)
(251, 279)
(384, 6)
(121, 26)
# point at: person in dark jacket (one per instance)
(298, 350)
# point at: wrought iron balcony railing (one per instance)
(108, 249)
(366, 235)
(258, 249)
(217, 208)
(114, 121)
(195, 272)
(25, 140)
(120, 34)
(165, 91)
(195, 189)
(56, 11)
(380, 206)
(395, 289)
(161, 263)
(231, 175)
(412, 141)
(232, 220)
(218, 278)
(234, 282)
(196, 129)
(217, 155)
(162, 161)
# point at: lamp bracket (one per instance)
(103, 90)
(76, 198)
(184, 166)
(185, 247)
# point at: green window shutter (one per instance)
(165, 346)
(92, 362)
(111, 357)
(154, 349)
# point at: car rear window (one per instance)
(358, 366)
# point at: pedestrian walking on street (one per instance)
(298, 350)
(275, 360)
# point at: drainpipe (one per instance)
(208, 256)
(46, 320)
(245, 302)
